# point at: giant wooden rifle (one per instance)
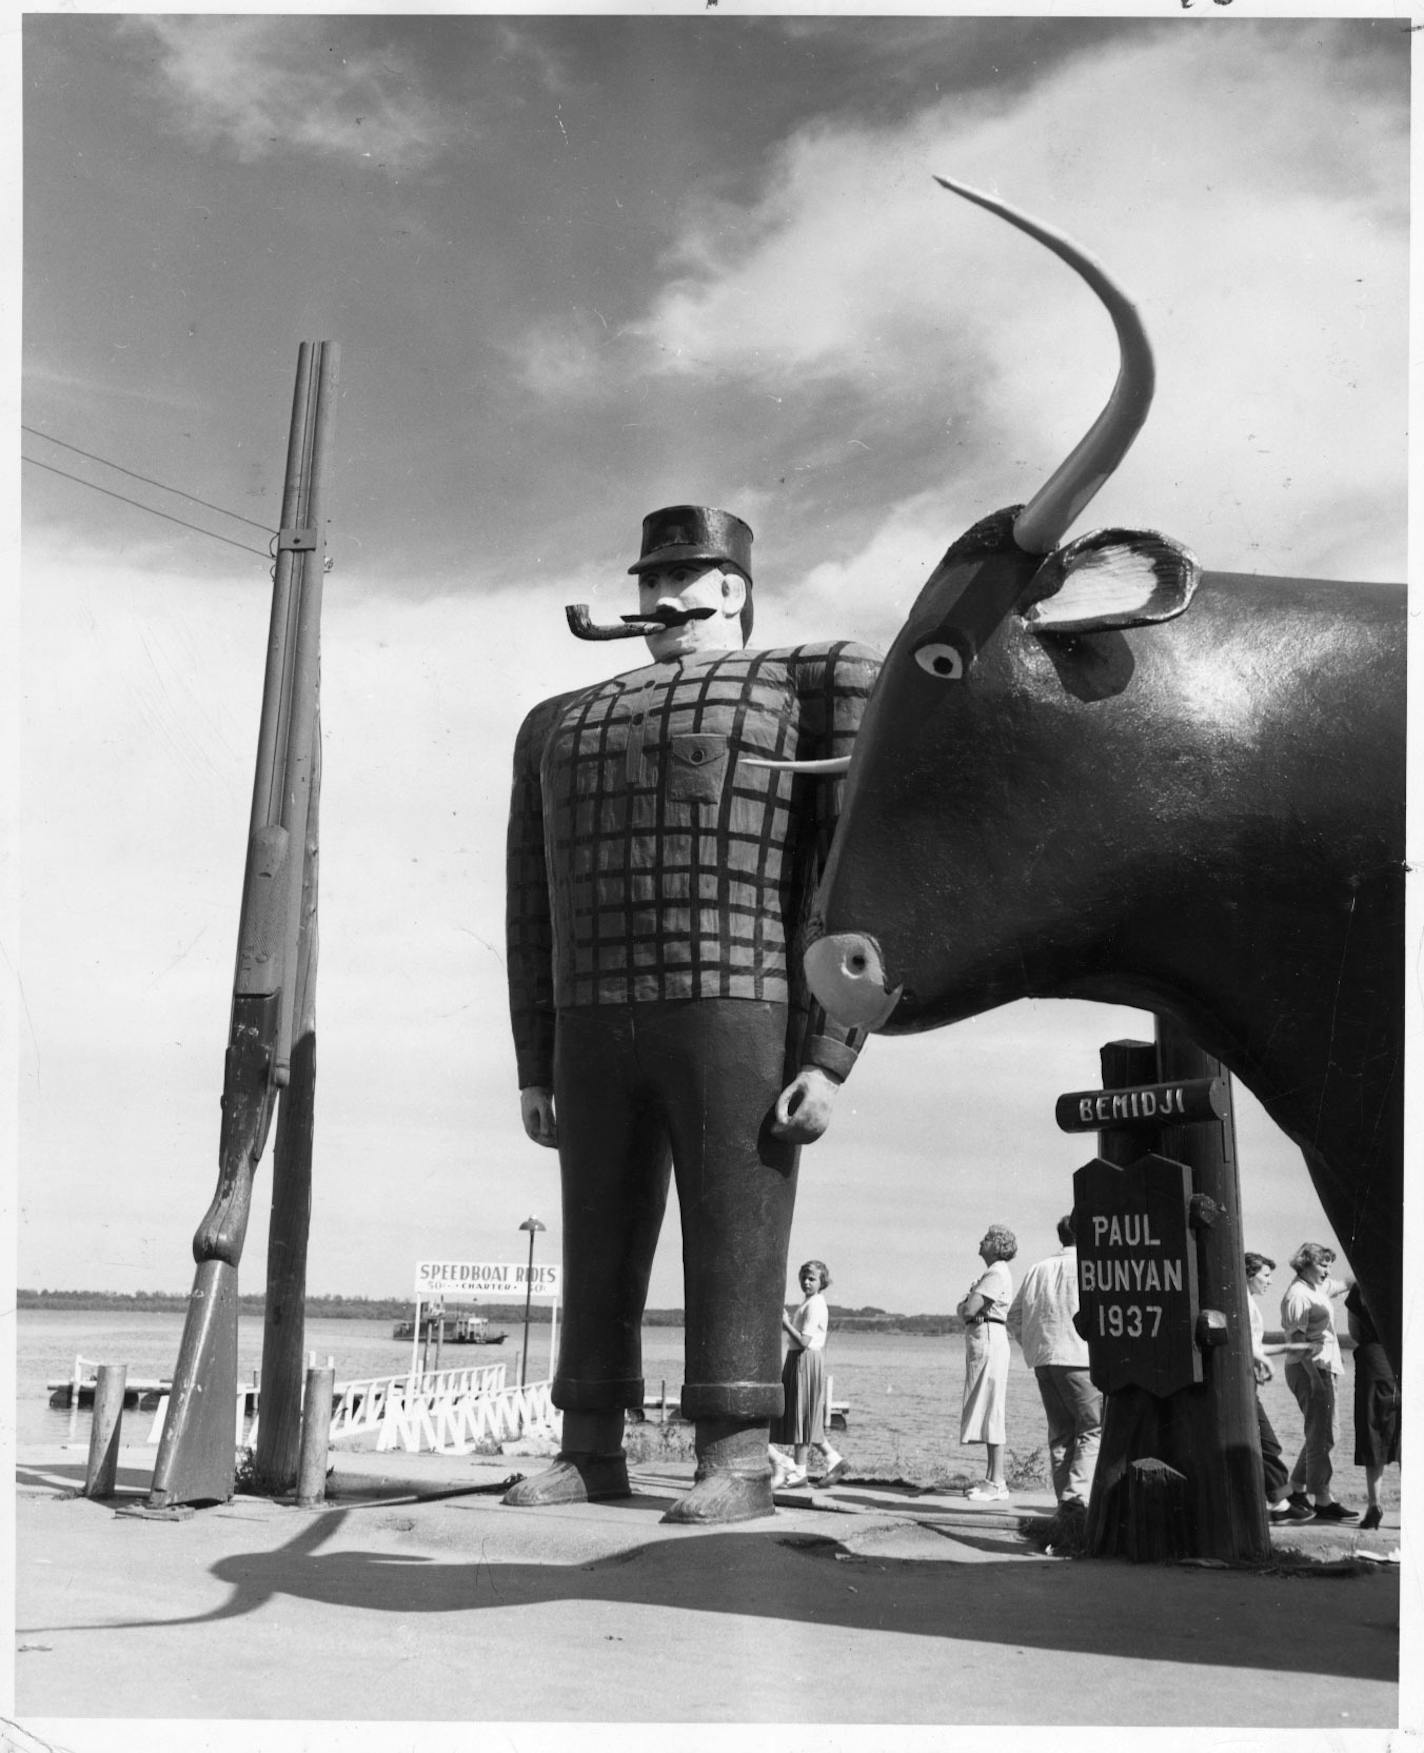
(271, 990)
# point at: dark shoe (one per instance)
(725, 1497)
(1372, 1516)
(1293, 1512)
(1298, 1500)
(733, 1478)
(1334, 1512)
(573, 1479)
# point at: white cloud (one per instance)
(262, 83)
(1258, 220)
(559, 359)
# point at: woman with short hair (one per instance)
(1308, 1320)
(986, 1359)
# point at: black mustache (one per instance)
(670, 617)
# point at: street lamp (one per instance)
(531, 1224)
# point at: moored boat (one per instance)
(459, 1330)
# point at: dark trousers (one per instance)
(1272, 1463)
(642, 1091)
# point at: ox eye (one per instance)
(936, 658)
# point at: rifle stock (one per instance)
(250, 1068)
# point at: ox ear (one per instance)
(1112, 578)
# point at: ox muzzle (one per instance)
(846, 972)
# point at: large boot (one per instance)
(733, 1479)
(589, 1468)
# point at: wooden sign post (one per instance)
(1162, 1306)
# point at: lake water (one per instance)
(904, 1389)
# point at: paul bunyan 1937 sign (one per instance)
(1137, 1274)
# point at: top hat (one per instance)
(694, 532)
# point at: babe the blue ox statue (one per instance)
(1095, 771)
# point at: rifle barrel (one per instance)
(282, 780)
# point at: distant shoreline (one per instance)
(355, 1308)
(358, 1308)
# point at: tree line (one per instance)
(363, 1308)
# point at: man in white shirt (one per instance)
(1041, 1319)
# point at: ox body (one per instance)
(1099, 773)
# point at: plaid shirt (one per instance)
(648, 862)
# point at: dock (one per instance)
(141, 1393)
(359, 1400)
(666, 1407)
(137, 1393)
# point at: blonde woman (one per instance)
(986, 1359)
(1309, 1323)
(802, 1424)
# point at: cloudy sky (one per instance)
(579, 267)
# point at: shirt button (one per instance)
(637, 718)
(696, 757)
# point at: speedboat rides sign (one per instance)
(469, 1281)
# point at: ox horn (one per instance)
(1102, 447)
(832, 764)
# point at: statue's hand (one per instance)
(803, 1109)
(536, 1109)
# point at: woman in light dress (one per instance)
(802, 1425)
(986, 1359)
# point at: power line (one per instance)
(262, 553)
(146, 479)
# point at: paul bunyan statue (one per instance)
(659, 876)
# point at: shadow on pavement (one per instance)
(1107, 1607)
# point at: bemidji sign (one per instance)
(1137, 1274)
(1145, 1107)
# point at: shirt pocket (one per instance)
(697, 767)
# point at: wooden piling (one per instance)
(102, 1470)
(316, 1436)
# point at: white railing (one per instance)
(455, 1423)
(450, 1411)
(357, 1407)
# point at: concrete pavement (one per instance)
(413, 1594)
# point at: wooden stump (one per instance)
(1158, 1523)
(102, 1471)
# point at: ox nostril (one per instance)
(845, 972)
